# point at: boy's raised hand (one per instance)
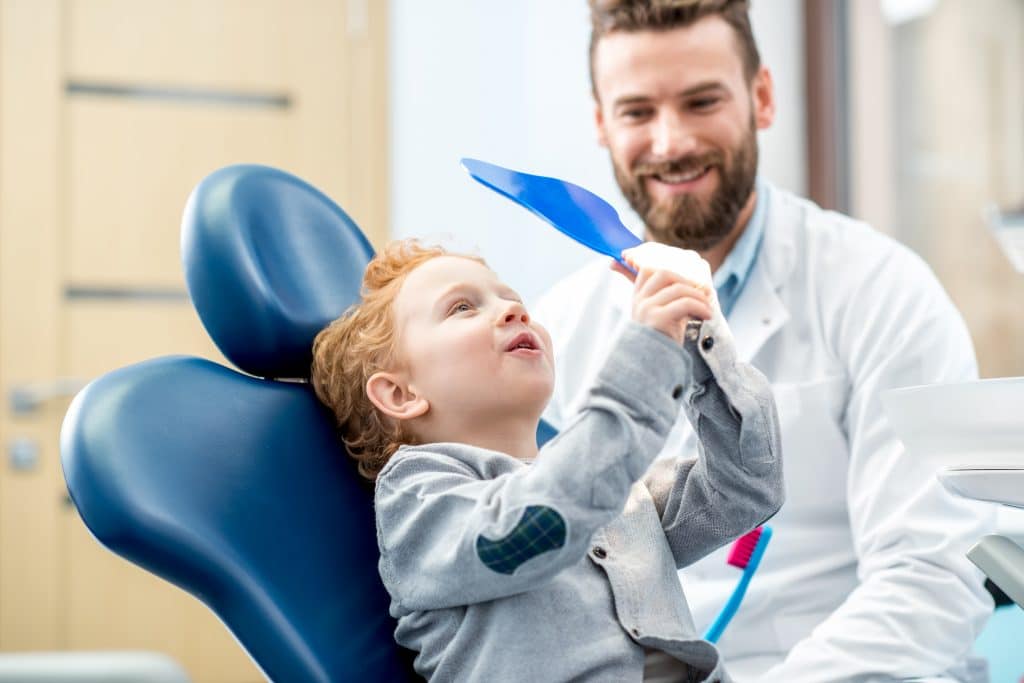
(666, 301)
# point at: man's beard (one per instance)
(682, 221)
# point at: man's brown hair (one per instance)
(610, 16)
(361, 342)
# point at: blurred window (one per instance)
(936, 137)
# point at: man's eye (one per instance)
(704, 103)
(637, 114)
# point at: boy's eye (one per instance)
(460, 307)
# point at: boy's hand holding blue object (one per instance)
(664, 301)
(671, 287)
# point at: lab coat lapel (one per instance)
(760, 312)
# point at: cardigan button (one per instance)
(708, 343)
(677, 391)
(635, 631)
(599, 552)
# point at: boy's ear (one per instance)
(393, 397)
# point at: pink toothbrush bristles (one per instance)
(743, 548)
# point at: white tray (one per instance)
(972, 424)
(994, 484)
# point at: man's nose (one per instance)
(671, 138)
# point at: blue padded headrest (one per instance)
(269, 261)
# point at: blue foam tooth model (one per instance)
(575, 211)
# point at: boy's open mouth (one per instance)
(523, 341)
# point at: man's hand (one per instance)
(666, 301)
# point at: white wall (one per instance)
(507, 82)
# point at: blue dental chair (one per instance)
(233, 486)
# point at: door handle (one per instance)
(26, 399)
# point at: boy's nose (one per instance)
(516, 313)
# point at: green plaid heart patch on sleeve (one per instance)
(539, 530)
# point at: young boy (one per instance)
(508, 564)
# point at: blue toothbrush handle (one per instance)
(728, 611)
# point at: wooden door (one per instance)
(110, 112)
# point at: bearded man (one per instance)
(865, 578)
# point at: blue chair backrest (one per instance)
(236, 486)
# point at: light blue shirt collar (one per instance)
(731, 277)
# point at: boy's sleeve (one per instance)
(735, 482)
(450, 535)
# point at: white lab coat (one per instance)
(865, 575)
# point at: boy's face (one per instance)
(467, 344)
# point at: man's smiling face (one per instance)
(680, 121)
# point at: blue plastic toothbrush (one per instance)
(746, 554)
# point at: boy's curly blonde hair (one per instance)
(361, 342)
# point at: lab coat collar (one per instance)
(731, 277)
(759, 312)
